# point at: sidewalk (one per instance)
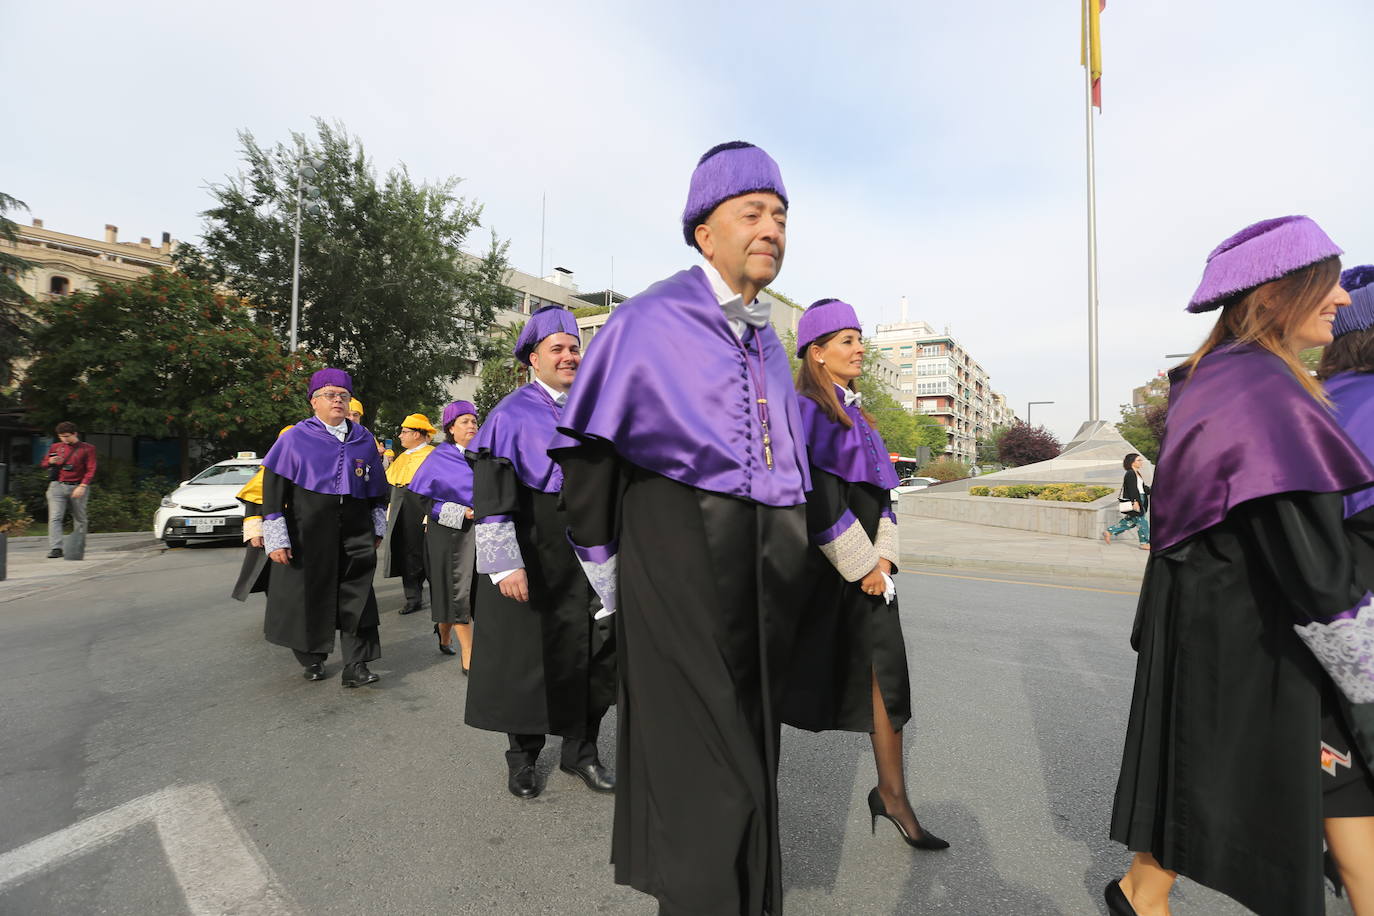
(30, 571)
(938, 542)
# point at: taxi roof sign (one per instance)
(246, 456)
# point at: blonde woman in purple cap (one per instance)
(849, 672)
(444, 485)
(1253, 616)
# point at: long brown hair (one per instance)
(814, 382)
(1270, 313)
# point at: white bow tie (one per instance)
(852, 397)
(561, 400)
(754, 314)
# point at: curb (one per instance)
(117, 559)
(1045, 569)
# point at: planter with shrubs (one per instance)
(1056, 492)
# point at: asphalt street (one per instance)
(160, 758)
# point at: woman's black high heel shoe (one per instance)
(447, 650)
(877, 809)
(1117, 904)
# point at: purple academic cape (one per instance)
(669, 385)
(856, 454)
(519, 430)
(309, 456)
(1241, 428)
(1352, 395)
(445, 476)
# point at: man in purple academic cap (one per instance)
(323, 505)
(686, 479)
(541, 665)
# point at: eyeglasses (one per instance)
(407, 429)
(334, 395)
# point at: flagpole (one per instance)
(1093, 411)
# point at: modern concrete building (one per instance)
(938, 377)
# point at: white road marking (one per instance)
(217, 866)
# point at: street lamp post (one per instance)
(305, 168)
(1029, 405)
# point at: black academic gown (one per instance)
(846, 636)
(1220, 777)
(709, 593)
(541, 667)
(327, 586)
(404, 547)
(254, 573)
(450, 558)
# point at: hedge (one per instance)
(1058, 492)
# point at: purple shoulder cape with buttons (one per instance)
(666, 383)
(444, 476)
(1242, 428)
(309, 456)
(856, 454)
(519, 430)
(1352, 396)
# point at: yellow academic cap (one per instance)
(418, 421)
(284, 429)
(355, 406)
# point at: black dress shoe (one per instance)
(593, 774)
(55, 553)
(358, 676)
(314, 672)
(1117, 904)
(410, 609)
(926, 839)
(522, 783)
(444, 647)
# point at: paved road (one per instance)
(200, 770)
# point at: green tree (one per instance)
(385, 291)
(988, 445)
(1143, 425)
(168, 356)
(16, 325)
(501, 372)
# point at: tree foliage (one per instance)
(1143, 426)
(903, 431)
(989, 445)
(16, 325)
(167, 356)
(385, 291)
(944, 468)
(501, 372)
(1024, 444)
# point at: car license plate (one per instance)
(207, 525)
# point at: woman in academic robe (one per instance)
(1253, 617)
(254, 574)
(404, 547)
(444, 486)
(849, 672)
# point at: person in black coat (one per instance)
(1136, 491)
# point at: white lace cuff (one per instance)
(452, 515)
(274, 534)
(852, 553)
(888, 541)
(379, 521)
(601, 566)
(252, 527)
(498, 549)
(1345, 647)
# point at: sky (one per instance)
(932, 150)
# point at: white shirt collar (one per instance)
(415, 449)
(850, 397)
(559, 397)
(737, 312)
(340, 432)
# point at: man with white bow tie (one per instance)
(541, 663)
(686, 478)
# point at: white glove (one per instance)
(889, 588)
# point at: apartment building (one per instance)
(938, 377)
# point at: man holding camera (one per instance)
(71, 467)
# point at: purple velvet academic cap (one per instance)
(551, 319)
(824, 317)
(727, 171)
(455, 410)
(1257, 254)
(1359, 314)
(326, 377)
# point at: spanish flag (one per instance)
(1090, 53)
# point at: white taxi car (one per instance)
(206, 507)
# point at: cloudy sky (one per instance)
(930, 149)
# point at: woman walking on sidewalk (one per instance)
(849, 670)
(1252, 613)
(1136, 491)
